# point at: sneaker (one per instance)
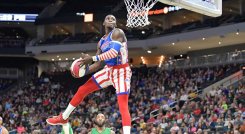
(56, 120)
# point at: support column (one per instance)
(40, 32)
(242, 7)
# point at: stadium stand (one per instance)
(173, 92)
(137, 33)
(12, 37)
(169, 99)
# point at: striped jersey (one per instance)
(105, 44)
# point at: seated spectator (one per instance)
(21, 129)
(175, 128)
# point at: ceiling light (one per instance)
(59, 59)
(181, 55)
(173, 43)
(149, 52)
(58, 56)
(52, 59)
(219, 42)
(73, 58)
(143, 32)
(237, 32)
(66, 58)
(80, 14)
(203, 38)
(189, 47)
(142, 57)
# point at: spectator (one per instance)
(3, 130)
(21, 129)
(100, 125)
(175, 128)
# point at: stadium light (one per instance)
(237, 32)
(80, 14)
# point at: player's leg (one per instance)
(121, 82)
(96, 82)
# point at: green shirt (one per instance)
(106, 131)
(225, 106)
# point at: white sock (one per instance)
(126, 129)
(68, 111)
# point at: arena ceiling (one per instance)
(71, 7)
(178, 48)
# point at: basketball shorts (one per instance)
(118, 76)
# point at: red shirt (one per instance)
(45, 102)
(179, 116)
(197, 111)
(151, 120)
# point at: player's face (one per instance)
(100, 120)
(110, 21)
(1, 121)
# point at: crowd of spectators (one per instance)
(171, 94)
(67, 38)
(12, 37)
(5, 83)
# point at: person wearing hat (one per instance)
(3, 130)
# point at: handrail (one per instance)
(239, 77)
(175, 102)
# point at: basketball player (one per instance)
(112, 49)
(100, 126)
(3, 130)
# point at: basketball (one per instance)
(77, 69)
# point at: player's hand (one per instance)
(83, 55)
(86, 58)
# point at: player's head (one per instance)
(100, 120)
(110, 21)
(1, 120)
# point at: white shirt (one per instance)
(163, 125)
(165, 107)
(184, 97)
(212, 92)
(174, 128)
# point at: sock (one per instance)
(68, 111)
(126, 129)
(123, 108)
(89, 87)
